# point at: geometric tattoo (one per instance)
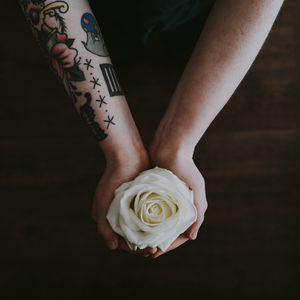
(88, 115)
(109, 121)
(95, 82)
(110, 77)
(88, 64)
(101, 101)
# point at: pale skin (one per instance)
(231, 39)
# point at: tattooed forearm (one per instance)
(77, 54)
(95, 82)
(48, 25)
(88, 64)
(87, 113)
(101, 101)
(94, 41)
(111, 80)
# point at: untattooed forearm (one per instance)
(70, 37)
(229, 43)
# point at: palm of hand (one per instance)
(112, 178)
(184, 167)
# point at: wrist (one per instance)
(131, 155)
(168, 145)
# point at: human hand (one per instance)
(182, 165)
(117, 172)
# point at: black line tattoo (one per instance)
(110, 77)
(94, 40)
(87, 113)
(75, 93)
(109, 121)
(49, 27)
(88, 64)
(95, 82)
(101, 101)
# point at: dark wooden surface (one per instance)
(248, 247)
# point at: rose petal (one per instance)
(152, 210)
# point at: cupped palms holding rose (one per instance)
(207, 83)
(117, 173)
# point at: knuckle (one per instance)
(202, 180)
(205, 205)
(101, 227)
(105, 231)
(199, 223)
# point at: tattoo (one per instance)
(111, 80)
(101, 101)
(88, 115)
(109, 121)
(88, 64)
(94, 40)
(95, 82)
(49, 27)
(74, 92)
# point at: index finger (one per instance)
(178, 242)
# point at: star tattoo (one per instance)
(109, 121)
(101, 101)
(95, 82)
(88, 64)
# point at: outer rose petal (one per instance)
(137, 234)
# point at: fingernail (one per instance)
(146, 255)
(193, 236)
(153, 251)
(112, 245)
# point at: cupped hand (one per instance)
(116, 173)
(183, 166)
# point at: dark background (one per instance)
(248, 247)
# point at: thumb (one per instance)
(192, 231)
(200, 203)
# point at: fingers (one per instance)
(178, 242)
(123, 246)
(201, 206)
(145, 252)
(99, 209)
(113, 241)
(110, 237)
(192, 231)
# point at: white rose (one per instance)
(152, 210)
